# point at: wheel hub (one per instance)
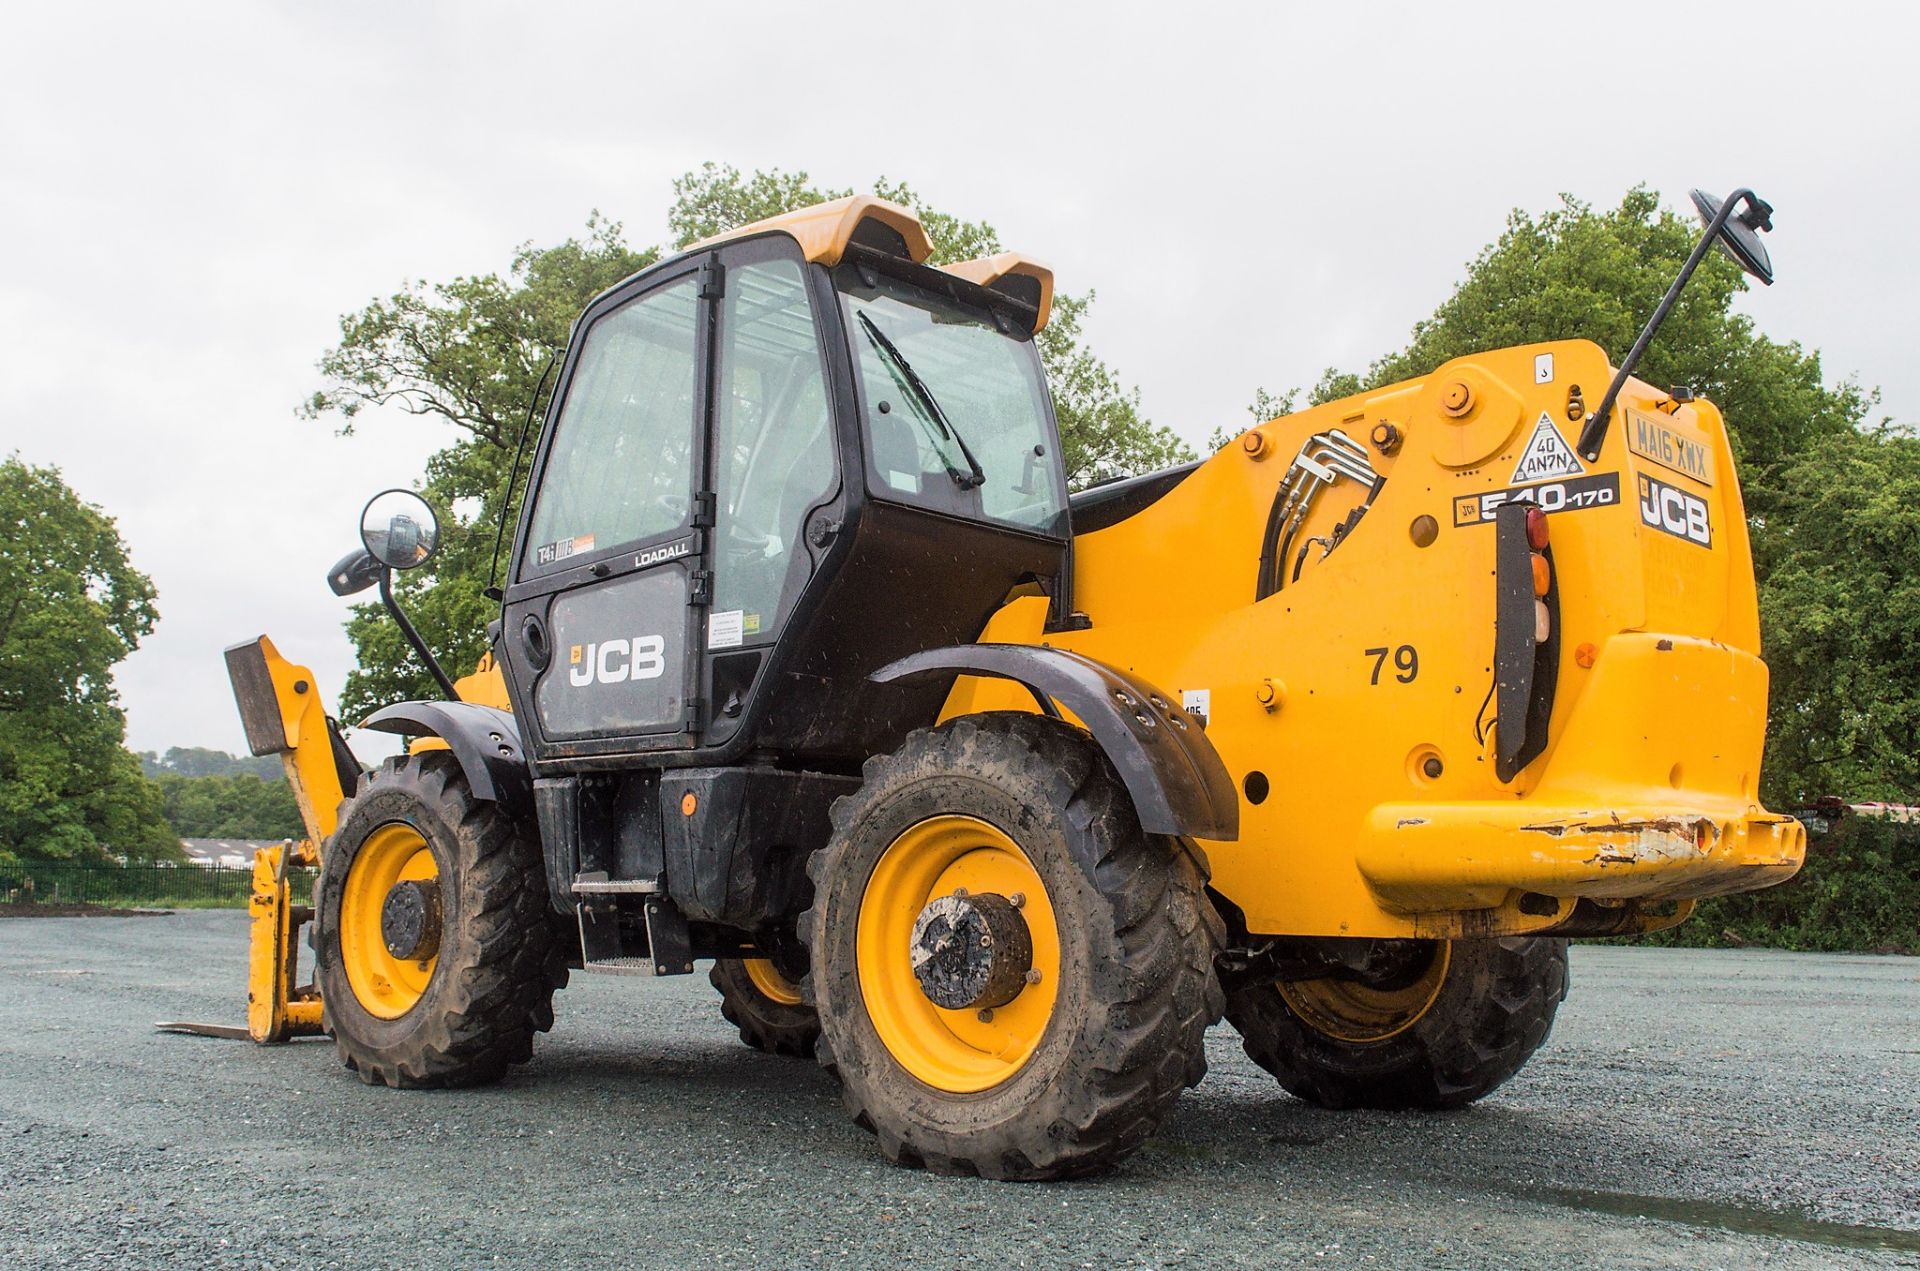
(410, 919)
(971, 951)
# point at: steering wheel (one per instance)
(745, 542)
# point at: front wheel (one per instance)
(435, 951)
(1013, 979)
(1452, 1027)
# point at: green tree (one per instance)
(198, 761)
(236, 805)
(472, 350)
(1840, 619)
(1265, 405)
(71, 607)
(1103, 433)
(1598, 275)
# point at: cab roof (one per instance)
(825, 231)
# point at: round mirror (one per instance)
(1740, 236)
(399, 529)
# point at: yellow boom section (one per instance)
(280, 708)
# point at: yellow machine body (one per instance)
(1354, 704)
(1351, 707)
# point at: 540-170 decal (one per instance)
(1600, 490)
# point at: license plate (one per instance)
(1657, 439)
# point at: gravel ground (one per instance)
(1693, 1109)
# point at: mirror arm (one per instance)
(1594, 434)
(413, 637)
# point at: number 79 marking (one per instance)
(1406, 660)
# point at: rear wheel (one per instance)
(760, 1001)
(1013, 979)
(434, 949)
(1451, 1028)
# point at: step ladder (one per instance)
(606, 940)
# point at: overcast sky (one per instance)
(191, 195)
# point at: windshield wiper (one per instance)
(918, 386)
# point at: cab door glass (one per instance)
(773, 448)
(620, 466)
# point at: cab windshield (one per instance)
(954, 407)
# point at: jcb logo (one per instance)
(1674, 511)
(617, 661)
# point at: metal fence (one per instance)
(130, 884)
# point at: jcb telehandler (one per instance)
(996, 797)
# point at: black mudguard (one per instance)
(1172, 772)
(483, 738)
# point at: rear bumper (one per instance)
(1472, 855)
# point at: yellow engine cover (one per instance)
(1353, 706)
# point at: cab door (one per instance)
(773, 463)
(599, 632)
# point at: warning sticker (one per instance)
(725, 629)
(1547, 455)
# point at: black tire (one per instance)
(500, 955)
(1136, 990)
(1493, 1009)
(779, 1028)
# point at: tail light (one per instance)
(1526, 645)
(1542, 573)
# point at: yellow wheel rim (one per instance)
(1351, 1012)
(386, 986)
(952, 1050)
(772, 985)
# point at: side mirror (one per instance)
(399, 530)
(1740, 231)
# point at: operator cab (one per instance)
(773, 464)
